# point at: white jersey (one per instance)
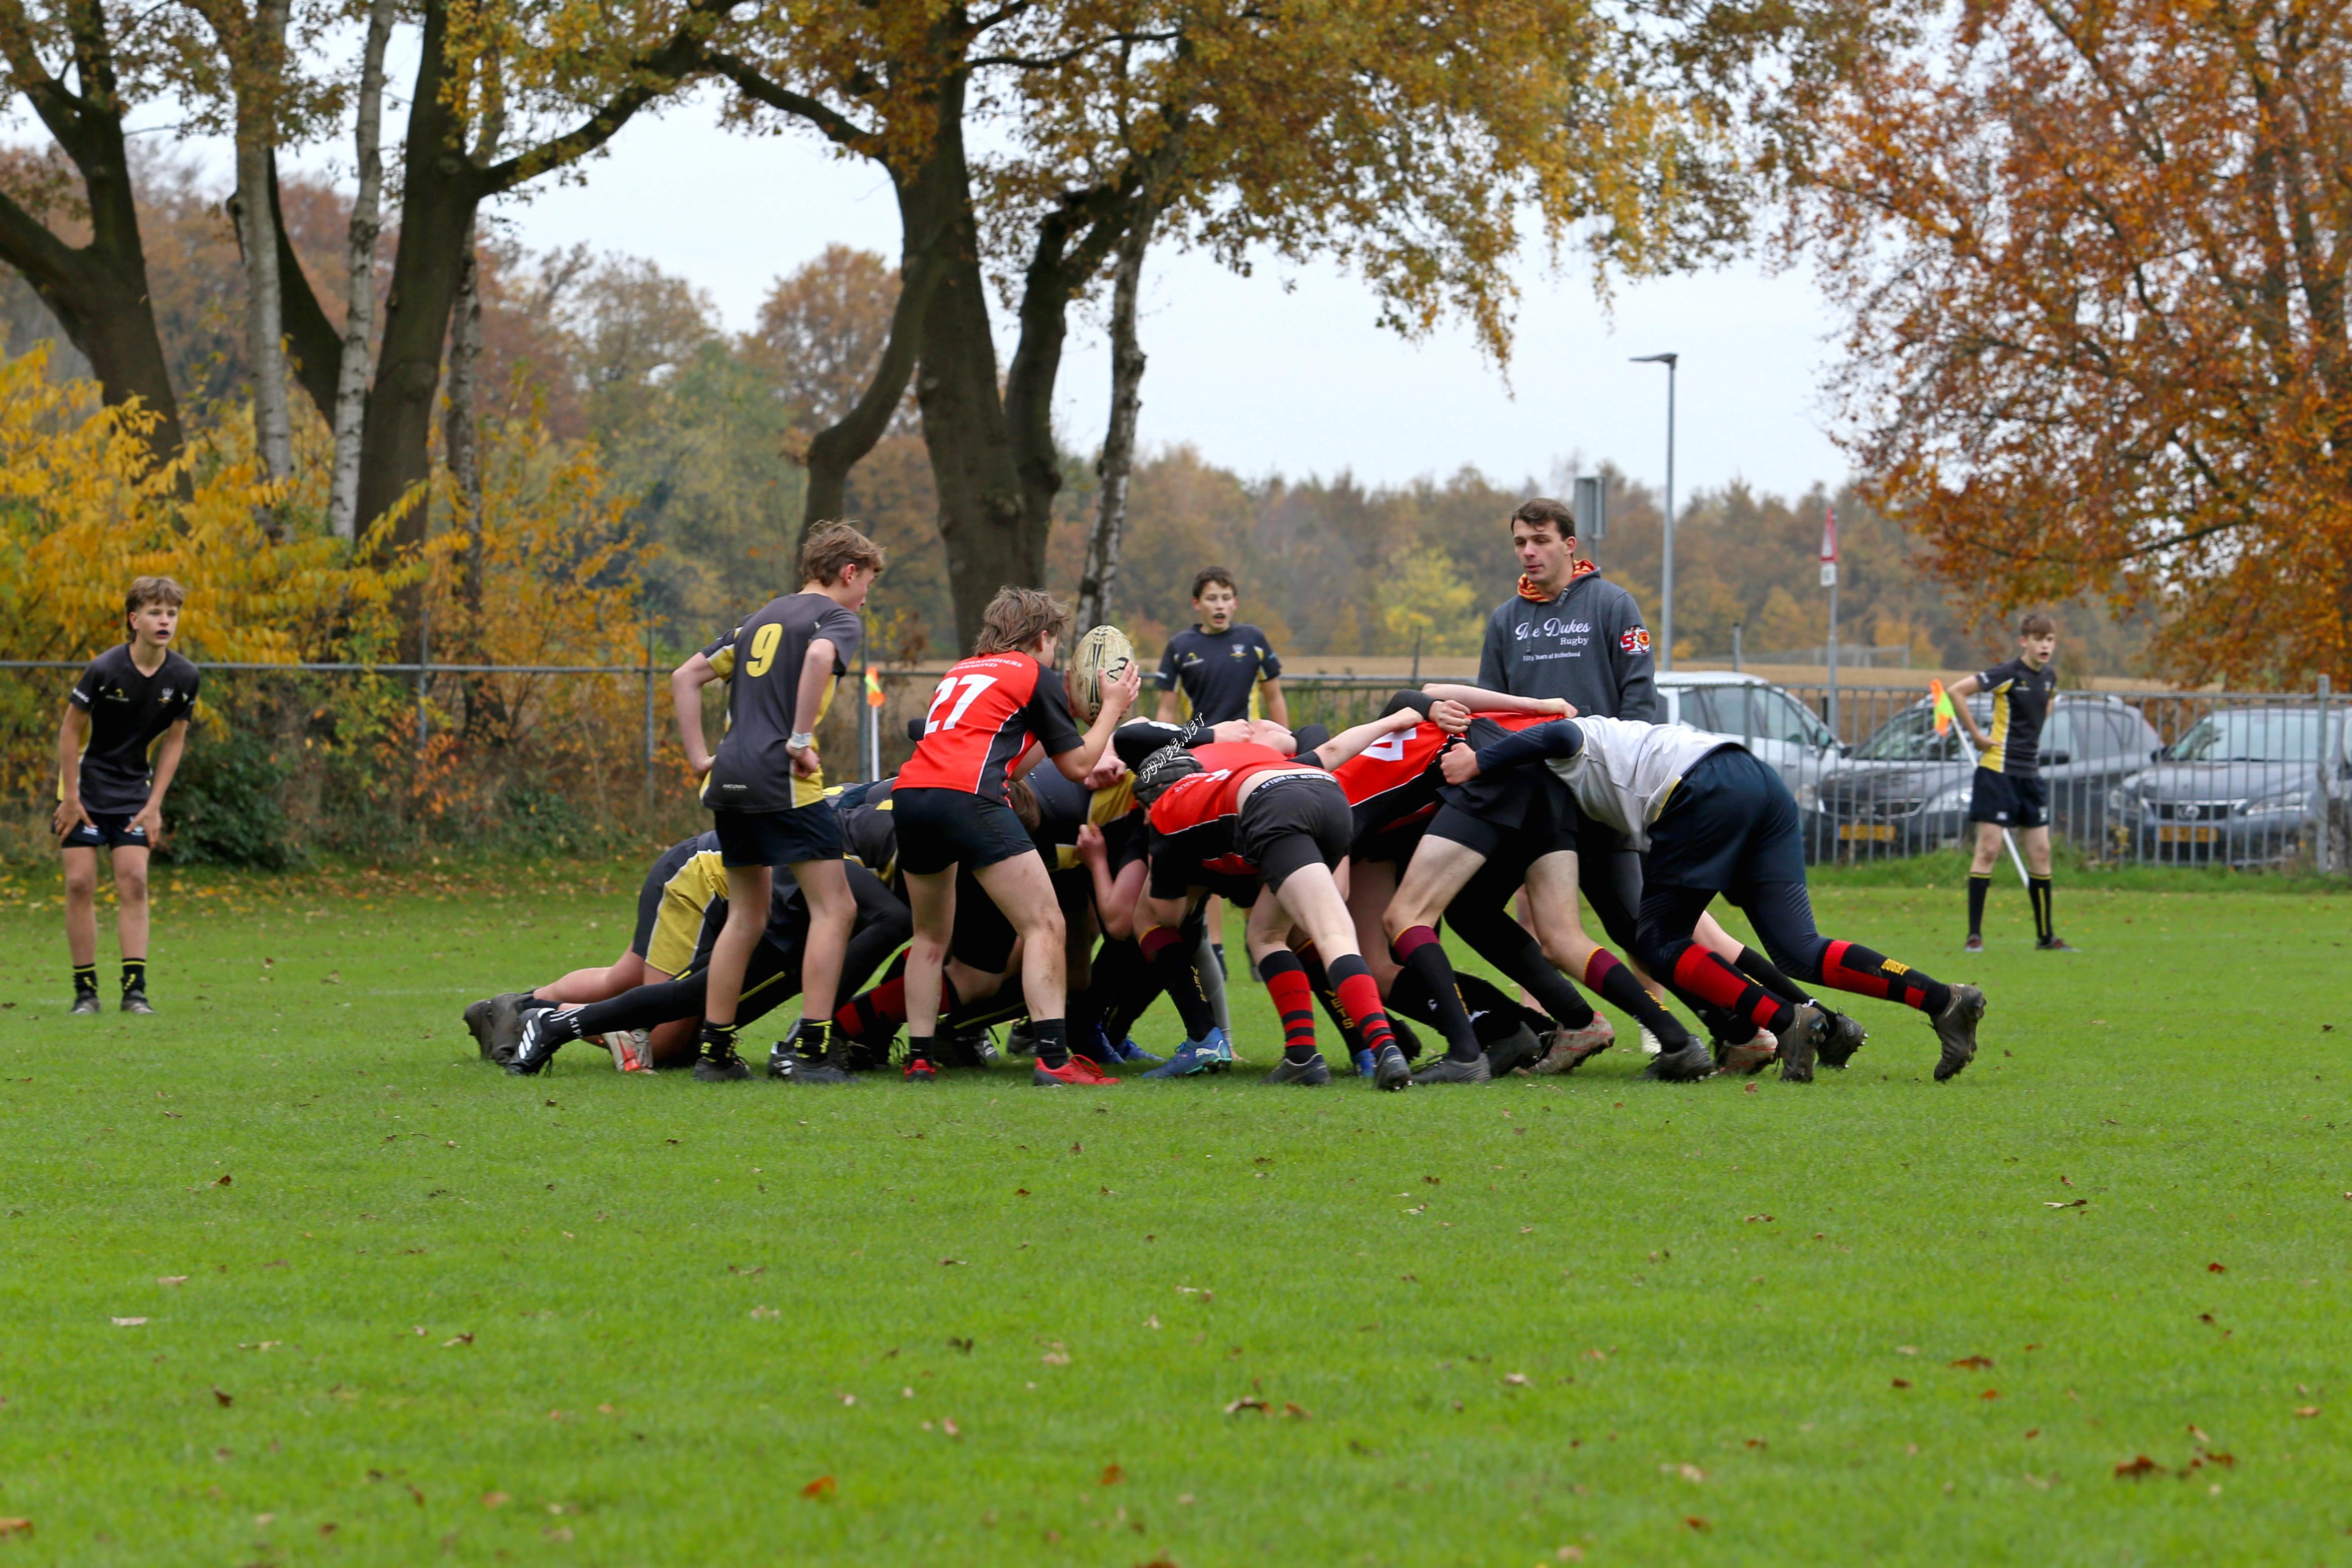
(1627, 771)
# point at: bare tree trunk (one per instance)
(359, 317)
(265, 334)
(1100, 579)
(461, 423)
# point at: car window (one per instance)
(2250, 735)
(1785, 718)
(1911, 738)
(2061, 734)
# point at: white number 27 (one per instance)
(973, 686)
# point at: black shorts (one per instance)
(656, 883)
(788, 837)
(1502, 798)
(1731, 825)
(940, 828)
(1395, 842)
(2008, 801)
(105, 830)
(1541, 819)
(1293, 820)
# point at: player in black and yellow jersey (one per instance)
(2008, 792)
(112, 778)
(766, 785)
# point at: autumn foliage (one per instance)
(2094, 256)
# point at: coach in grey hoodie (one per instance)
(1568, 632)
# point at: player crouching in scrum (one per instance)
(1711, 819)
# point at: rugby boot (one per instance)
(536, 1043)
(2056, 945)
(1800, 1044)
(921, 1071)
(1364, 1063)
(1194, 1056)
(1077, 1072)
(1751, 1056)
(136, 1002)
(1449, 1070)
(1566, 1050)
(86, 1005)
(1515, 1051)
(1844, 1037)
(477, 1018)
(723, 1065)
(1975, 944)
(1687, 1064)
(631, 1047)
(1956, 1030)
(506, 1025)
(1313, 1073)
(1390, 1070)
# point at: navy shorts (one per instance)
(788, 837)
(1731, 825)
(104, 831)
(2008, 801)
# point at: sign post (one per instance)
(1591, 514)
(1830, 582)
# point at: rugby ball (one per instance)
(1102, 654)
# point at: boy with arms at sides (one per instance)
(766, 784)
(951, 810)
(1218, 662)
(108, 796)
(2008, 791)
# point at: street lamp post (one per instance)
(1667, 567)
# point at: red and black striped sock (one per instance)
(877, 1011)
(1851, 966)
(1294, 999)
(1711, 979)
(1360, 995)
(1320, 980)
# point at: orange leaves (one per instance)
(822, 1486)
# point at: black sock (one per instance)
(1419, 951)
(717, 1040)
(1053, 1041)
(1503, 942)
(1619, 986)
(85, 979)
(1767, 974)
(559, 1026)
(919, 1049)
(2045, 928)
(1170, 957)
(818, 1041)
(134, 973)
(1977, 887)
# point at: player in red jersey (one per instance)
(1231, 818)
(951, 808)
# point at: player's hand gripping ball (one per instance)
(1102, 656)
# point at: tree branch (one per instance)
(836, 127)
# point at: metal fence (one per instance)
(2208, 778)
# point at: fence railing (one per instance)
(2219, 779)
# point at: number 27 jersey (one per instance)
(982, 715)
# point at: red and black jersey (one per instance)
(1194, 821)
(1393, 782)
(981, 717)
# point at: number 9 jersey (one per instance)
(761, 661)
(982, 715)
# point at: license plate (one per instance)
(1866, 833)
(2198, 835)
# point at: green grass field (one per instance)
(291, 1278)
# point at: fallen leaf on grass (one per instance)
(224, 1180)
(495, 1500)
(224, 1398)
(1759, 1219)
(2138, 1468)
(2215, 1269)
(1112, 1475)
(1055, 1358)
(1902, 1383)
(557, 1533)
(950, 1428)
(2078, 1203)
(1247, 1402)
(15, 1527)
(1989, 1393)
(1295, 1412)
(173, 1280)
(2307, 1411)
(129, 1322)
(1690, 1473)
(455, 1340)
(1020, 1192)
(1693, 1522)
(1751, 1089)
(950, 1262)
(1515, 1379)
(1971, 1363)
(821, 1487)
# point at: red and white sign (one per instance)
(1829, 547)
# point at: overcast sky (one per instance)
(1288, 370)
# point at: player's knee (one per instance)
(1045, 925)
(81, 885)
(130, 886)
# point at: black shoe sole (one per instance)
(1311, 1073)
(708, 1072)
(818, 1072)
(477, 1018)
(1446, 1070)
(1687, 1065)
(1845, 1036)
(1802, 1045)
(1517, 1050)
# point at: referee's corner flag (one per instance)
(873, 686)
(1944, 714)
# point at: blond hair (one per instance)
(1018, 617)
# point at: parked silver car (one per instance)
(2243, 785)
(1769, 722)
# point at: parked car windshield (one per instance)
(2250, 735)
(1758, 711)
(1911, 738)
